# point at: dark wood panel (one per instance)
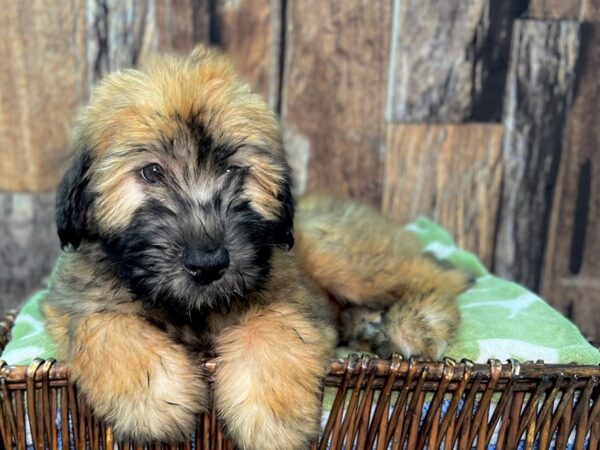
(449, 59)
(28, 245)
(571, 279)
(450, 173)
(250, 31)
(334, 84)
(538, 98)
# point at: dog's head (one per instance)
(179, 174)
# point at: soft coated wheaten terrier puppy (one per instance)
(177, 223)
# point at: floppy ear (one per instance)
(73, 201)
(284, 235)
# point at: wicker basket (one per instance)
(378, 404)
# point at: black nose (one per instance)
(206, 265)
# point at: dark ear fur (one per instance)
(285, 226)
(73, 201)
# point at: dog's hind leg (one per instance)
(362, 258)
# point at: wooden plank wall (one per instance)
(479, 113)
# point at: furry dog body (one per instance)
(177, 220)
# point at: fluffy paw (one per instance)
(137, 380)
(423, 325)
(268, 379)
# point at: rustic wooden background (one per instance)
(479, 113)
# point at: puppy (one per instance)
(176, 221)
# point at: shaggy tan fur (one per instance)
(148, 386)
(364, 259)
(139, 359)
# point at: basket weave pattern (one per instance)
(378, 403)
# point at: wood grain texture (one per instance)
(42, 80)
(125, 33)
(555, 9)
(28, 247)
(334, 95)
(539, 92)
(590, 11)
(451, 173)
(249, 32)
(449, 59)
(571, 280)
(202, 20)
(180, 24)
(119, 35)
(583, 10)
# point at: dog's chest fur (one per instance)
(93, 288)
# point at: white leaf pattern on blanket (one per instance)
(36, 325)
(439, 250)
(515, 306)
(25, 353)
(504, 349)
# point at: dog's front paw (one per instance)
(136, 379)
(268, 379)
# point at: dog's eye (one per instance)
(231, 169)
(151, 173)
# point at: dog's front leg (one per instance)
(133, 375)
(268, 377)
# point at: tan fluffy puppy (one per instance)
(176, 220)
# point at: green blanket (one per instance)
(498, 317)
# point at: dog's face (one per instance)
(179, 174)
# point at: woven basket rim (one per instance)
(340, 370)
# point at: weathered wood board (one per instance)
(590, 11)
(28, 247)
(571, 279)
(449, 59)
(42, 81)
(555, 9)
(249, 31)
(180, 24)
(538, 98)
(334, 85)
(450, 173)
(126, 33)
(584, 10)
